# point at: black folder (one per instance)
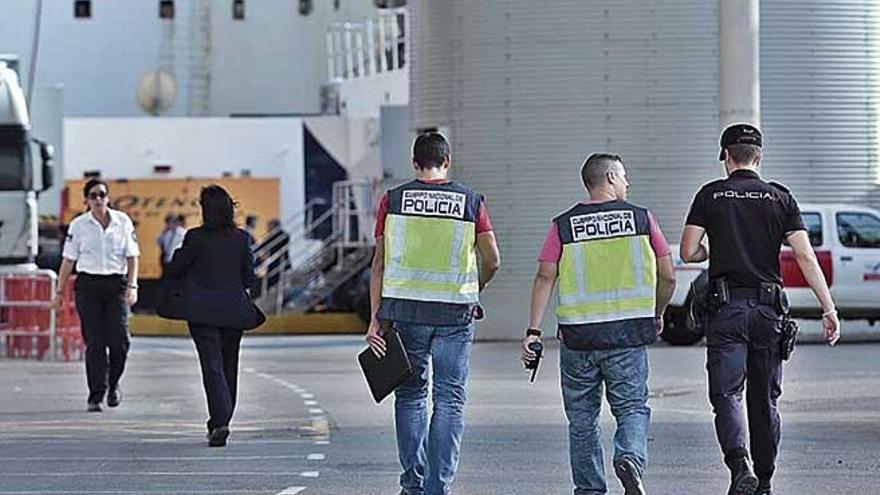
(385, 374)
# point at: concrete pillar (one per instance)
(739, 62)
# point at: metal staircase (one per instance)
(307, 270)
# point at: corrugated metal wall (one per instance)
(534, 87)
(820, 77)
(431, 66)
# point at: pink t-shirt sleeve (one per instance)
(551, 251)
(483, 223)
(658, 241)
(381, 213)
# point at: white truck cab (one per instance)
(21, 180)
(846, 239)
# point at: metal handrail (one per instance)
(360, 49)
(306, 231)
(307, 210)
(352, 199)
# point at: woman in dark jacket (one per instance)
(217, 257)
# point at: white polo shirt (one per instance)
(99, 251)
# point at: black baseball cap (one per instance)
(740, 134)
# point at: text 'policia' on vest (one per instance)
(429, 243)
(607, 276)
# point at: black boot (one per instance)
(742, 478)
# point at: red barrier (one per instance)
(32, 329)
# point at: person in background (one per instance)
(162, 240)
(103, 246)
(216, 256)
(250, 227)
(273, 252)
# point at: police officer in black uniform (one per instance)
(746, 220)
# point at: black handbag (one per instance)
(185, 299)
(171, 303)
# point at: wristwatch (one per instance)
(533, 331)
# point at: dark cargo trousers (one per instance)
(743, 347)
(103, 314)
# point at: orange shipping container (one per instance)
(148, 201)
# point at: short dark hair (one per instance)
(217, 208)
(94, 181)
(596, 166)
(430, 150)
(744, 153)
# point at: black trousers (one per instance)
(218, 357)
(103, 314)
(743, 348)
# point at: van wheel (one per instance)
(678, 329)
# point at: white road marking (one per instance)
(307, 396)
(291, 490)
(315, 457)
(322, 442)
(135, 492)
(310, 403)
(316, 411)
(155, 459)
(149, 473)
(175, 352)
(310, 474)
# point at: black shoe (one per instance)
(217, 437)
(742, 478)
(114, 397)
(629, 477)
(94, 407)
(764, 488)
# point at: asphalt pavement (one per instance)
(306, 424)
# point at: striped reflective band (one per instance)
(430, 259)
(619, 285)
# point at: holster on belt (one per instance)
(774, 295)
(718, 296)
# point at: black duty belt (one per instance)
(112, 276)
(766, 293)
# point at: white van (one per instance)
(846, 239)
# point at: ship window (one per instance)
(166, 9)
(82, 9)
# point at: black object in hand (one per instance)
(538, 348)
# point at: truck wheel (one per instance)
(678, 329)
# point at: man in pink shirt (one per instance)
(616, 278)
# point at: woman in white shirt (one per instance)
(103, 245)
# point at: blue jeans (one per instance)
(624, 373)
(429, 453)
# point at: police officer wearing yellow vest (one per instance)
(426, 279)
(746, 220)
(615, 276)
